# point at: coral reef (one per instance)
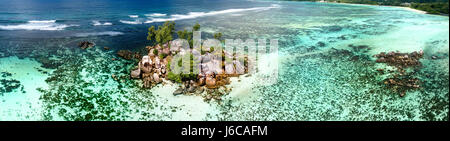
(8, 85)
(402, 80)
(5, 74)
(400, 60)
(88, 86)
(330, 86)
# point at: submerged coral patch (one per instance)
(7, 86)
(5, 74)
(402, 80)
(329, 86)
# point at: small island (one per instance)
(214, 65)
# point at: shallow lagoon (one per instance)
(316, 80)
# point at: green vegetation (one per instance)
(163, 34)
(187, 35)
(202, 52)
(180, 63)
(218, 36)
(432, 8)
(371, 2)
(155, 51)
(163, 55)
(174, 77)
(183, 77)
(429, 6)
(196, 27)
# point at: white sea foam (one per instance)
(105, 33)
(192, 15)
(44, 21)
(237, 14)
(37, 25)
(97, 23)
(133, 16)
(156, 15)
(131, 22)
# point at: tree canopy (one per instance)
(218, 36)
(163, 34)
(187, 35)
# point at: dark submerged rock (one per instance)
(85, 44)
(179, 91)
(400, 60)
(128, 55)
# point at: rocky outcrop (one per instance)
(147, 79)
(136, 73)
(210, 82)
(175, 47)
(128, 55)
(152, 73)
(151, 67)
(179, 91)
(85, 44)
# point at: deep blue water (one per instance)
(75, 18)
(26, 26)
(81, 11)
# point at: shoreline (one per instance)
(410, 9)
(405, 8)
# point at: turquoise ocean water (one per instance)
(45, 76)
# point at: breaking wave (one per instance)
(37, 25)
(131, 22)
(106, 33)
(97, 23)
(155, 15)
(44, 21)
(133, 16)
(192, 15)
